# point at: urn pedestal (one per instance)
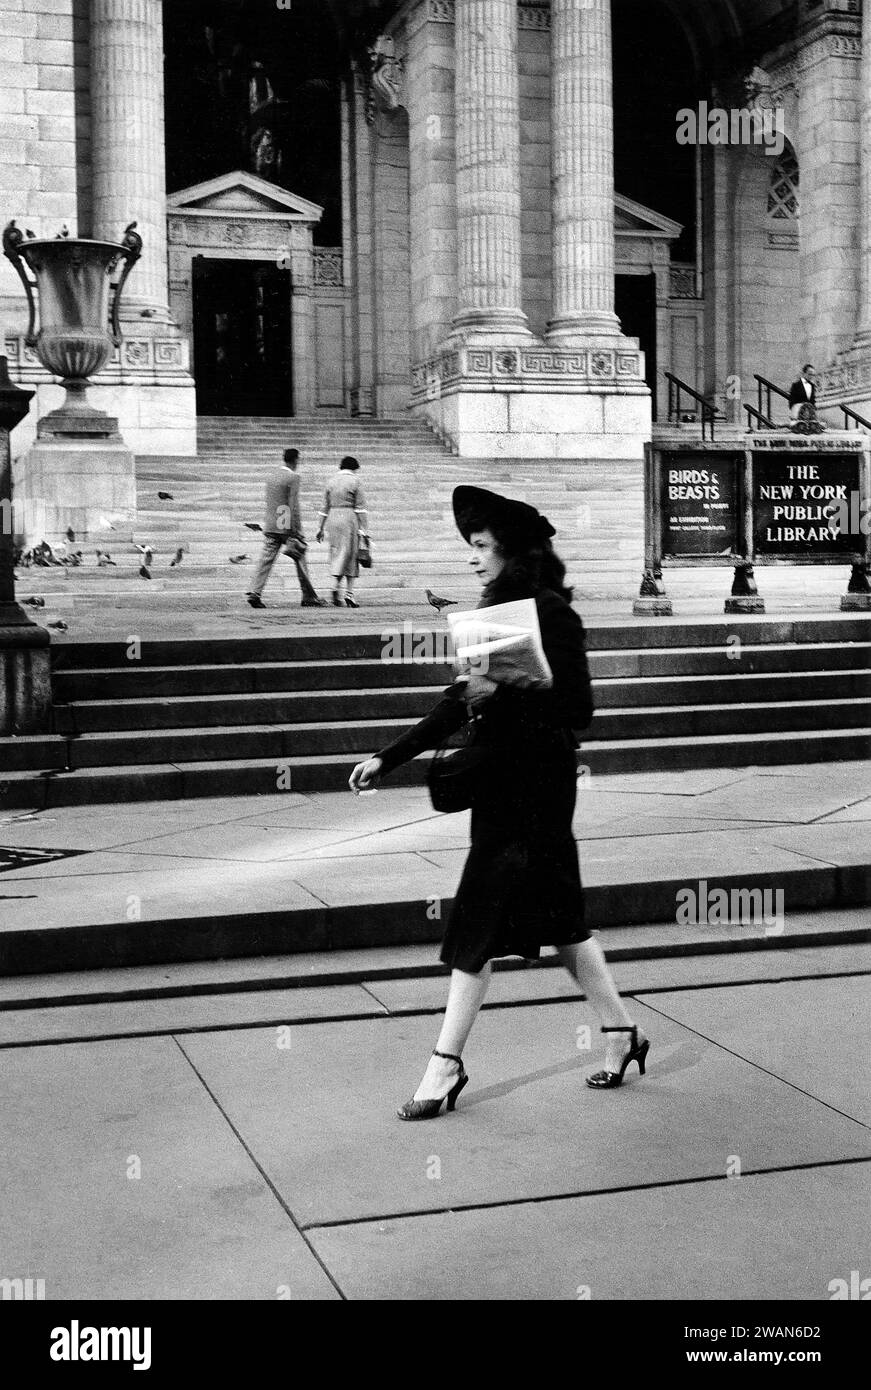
(79, 473)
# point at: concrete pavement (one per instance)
(264, 1161)
(262, 875)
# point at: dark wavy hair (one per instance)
(531, 563)
(349, 463)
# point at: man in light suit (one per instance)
(283, 533)
(803, 391)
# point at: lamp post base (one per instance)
(25, 674)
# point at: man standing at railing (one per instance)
(803, 391)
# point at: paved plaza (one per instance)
(258, 1160)
(225, 1128)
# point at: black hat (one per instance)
(475, 507)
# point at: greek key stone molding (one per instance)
(526, 369)
(136, 358)
(329, 266)
(529, 16)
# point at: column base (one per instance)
(501, 400)
(25, 675)
(588, 330)
(490, 327)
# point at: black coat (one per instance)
(798, 394)
(521, 885)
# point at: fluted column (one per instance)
(864, 324)
(583, 171)
(128, 139)
(488, 170)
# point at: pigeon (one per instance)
(146, 552)
(179, 556)
(71, 535)
(30, 234)
(253, 526)
(44, 555)
(63, 233)
(238, 559)
(439, 603)
(104, 559)
(144, 573)
(33, 602)
(166, 496)
(106, 525)
(59, 625)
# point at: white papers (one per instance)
(502, 643)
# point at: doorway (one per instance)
(635, 306)
(243, 361)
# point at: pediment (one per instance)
(240, 193)
(632, 217)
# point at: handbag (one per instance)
(455, 772)
(364, 553)
(295, 547)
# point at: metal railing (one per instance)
(761, 420)
(850, 414)
(678, 388)
(767, 387)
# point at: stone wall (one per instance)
(44, 127)
(392, 263)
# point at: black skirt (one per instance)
(521, 884)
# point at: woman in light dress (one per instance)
(345, 518)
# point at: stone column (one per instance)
(863, 336)
(128, 140)
(302, 320)
(583, 172)
(830, 112)
(488, 171)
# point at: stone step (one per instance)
(731, 640)
(329, 771)
(801, 705)
(636, 921)
(104, 688)
(826, 942)
(382, 719)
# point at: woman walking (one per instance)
(346, 521)
(521, 886)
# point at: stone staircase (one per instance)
(407, 478)
(253, 715)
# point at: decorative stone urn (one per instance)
(77, 329)
(79, 473)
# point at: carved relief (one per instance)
(328, 266)
(136, 352)
(386, 77)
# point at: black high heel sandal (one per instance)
(605, 1080)
(337, 602)
(350, 601)
(428, 1109)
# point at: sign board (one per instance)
(805, 506)
(699, 504)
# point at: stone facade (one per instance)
(481, 230)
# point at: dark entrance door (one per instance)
(635, 305)
(242, 346)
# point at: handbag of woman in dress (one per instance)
(455, 771)
(364, 553)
